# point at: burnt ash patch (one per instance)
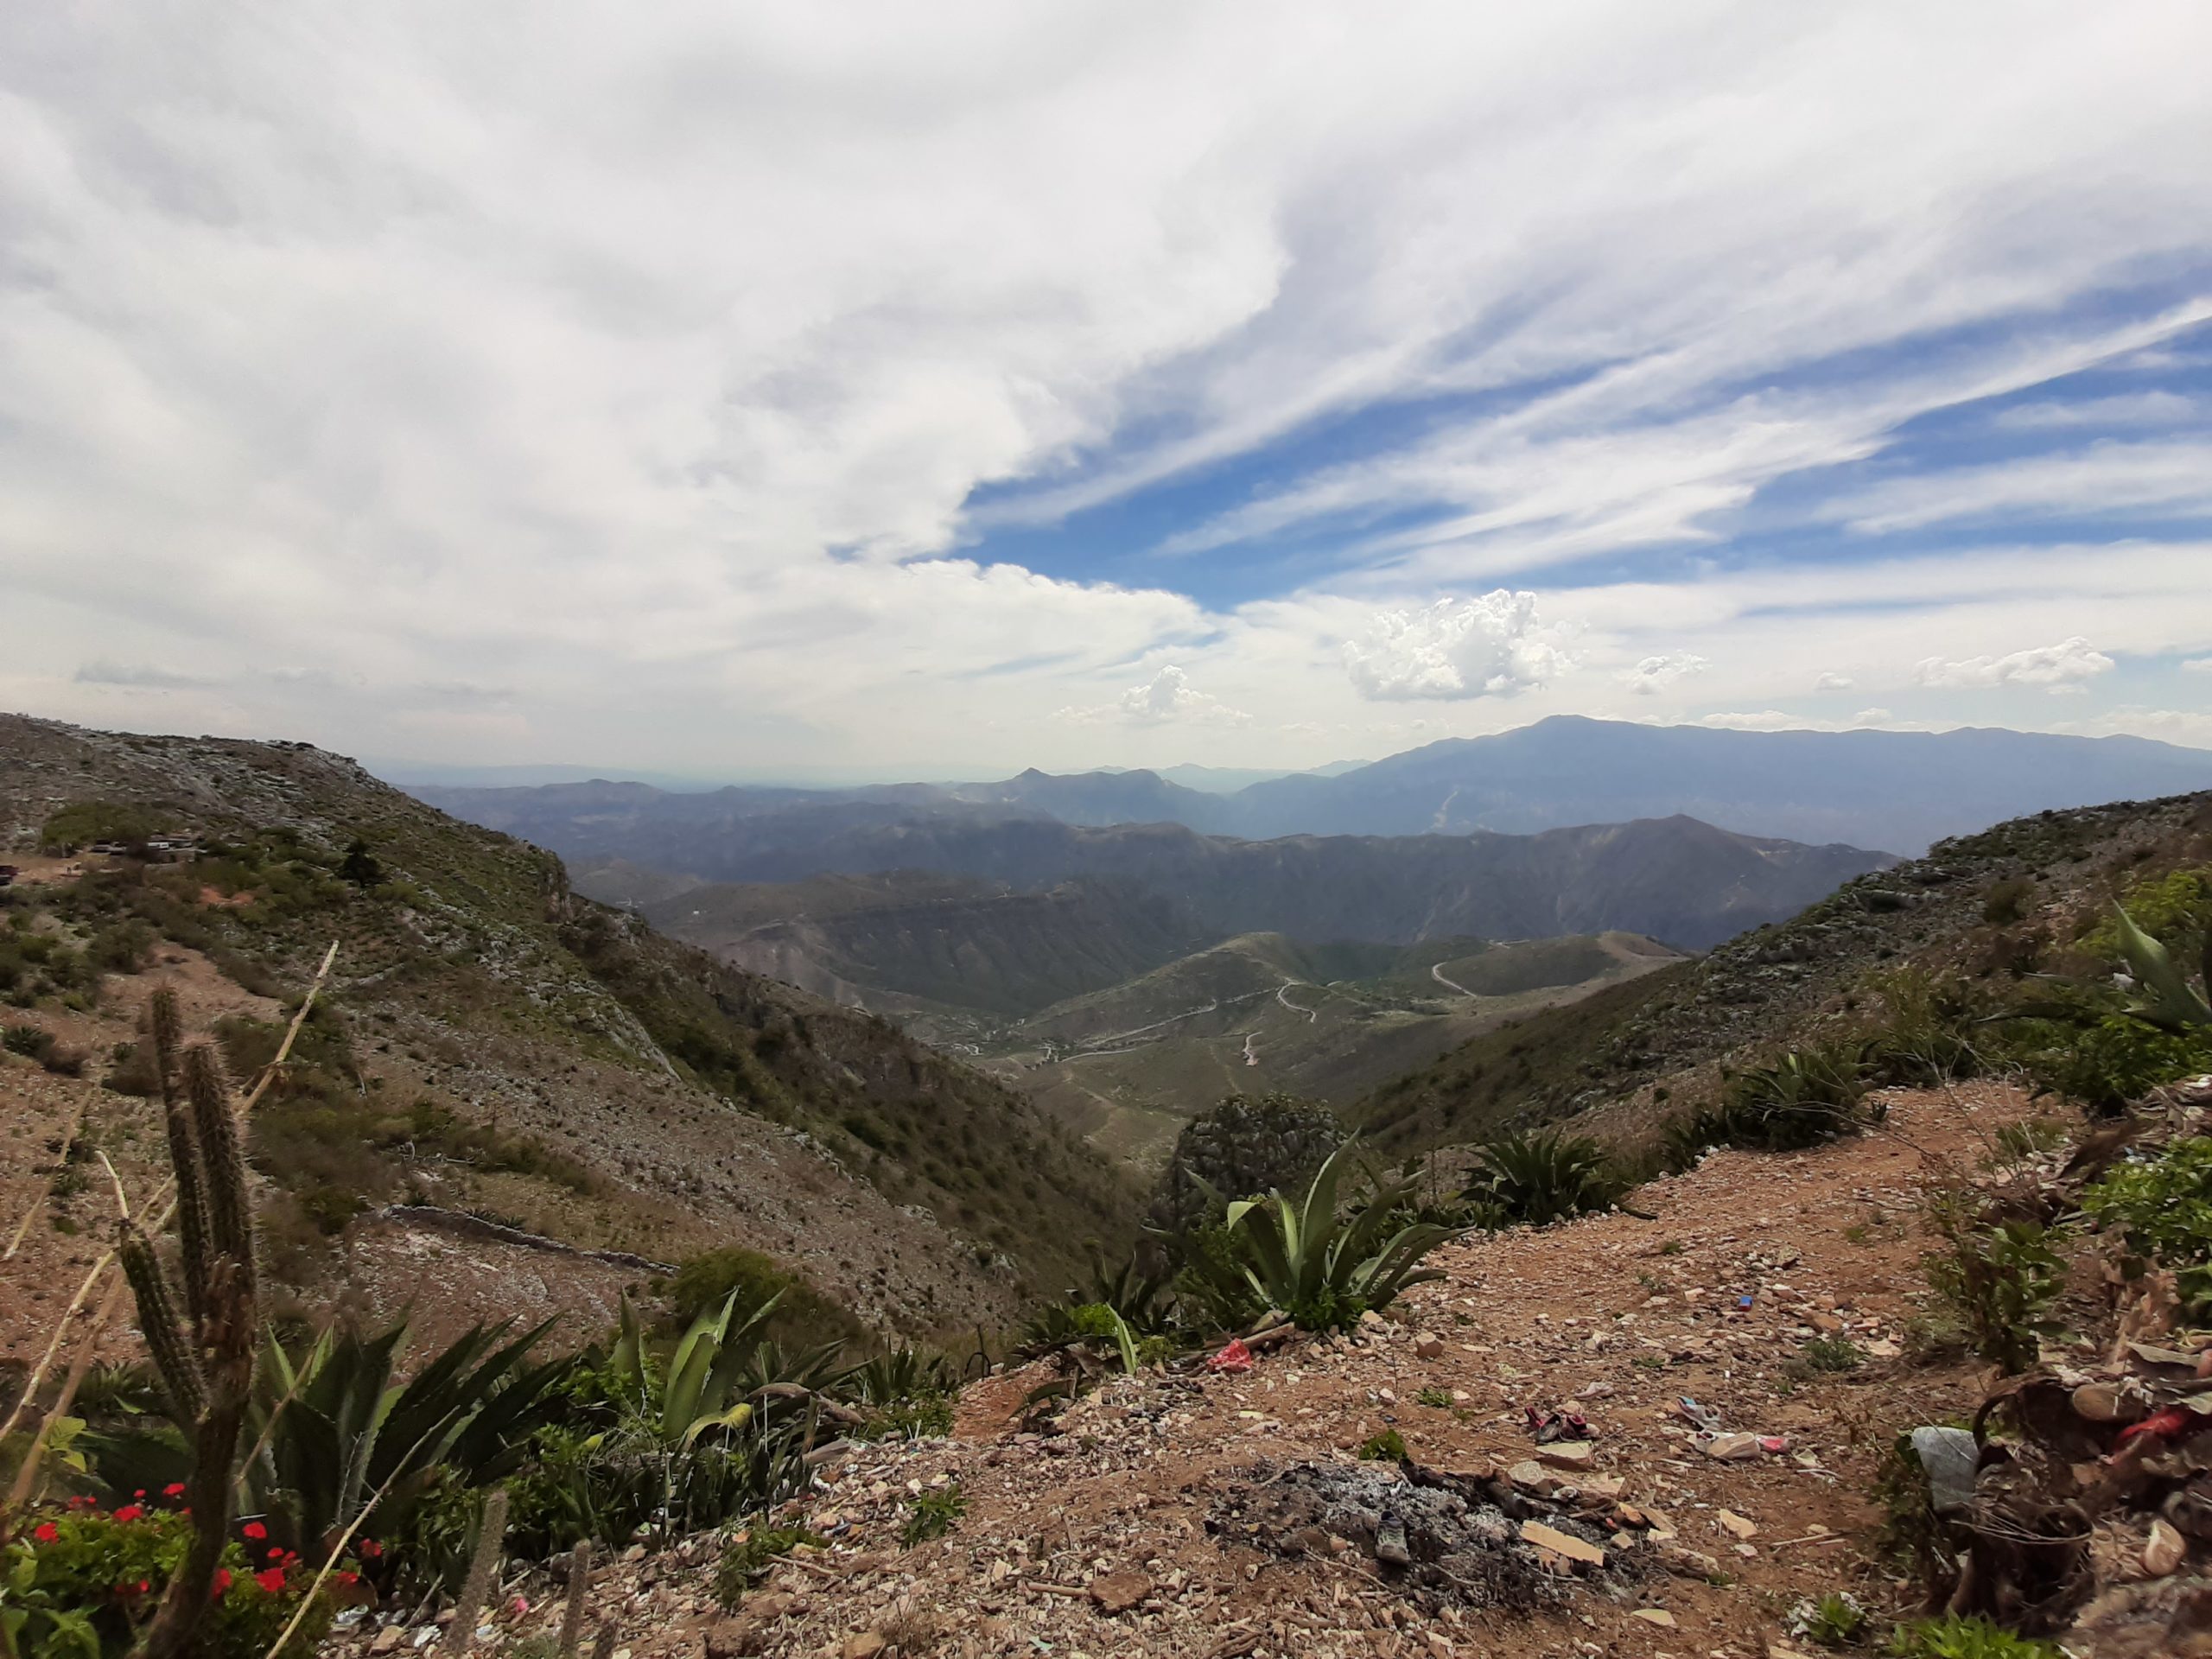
(1438, 1537)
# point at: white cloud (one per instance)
(2190, 728)
(1656, 674)
(2066, 666)
(1492, 646)
(2198, 665)
(140, 676)
(1773, 720)
(2170, 480)
(1168, 696)
(1833, 681)
(635, 390)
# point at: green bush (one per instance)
(1543, 1176)
(82, 1584)
(2106, 1061)
(1966, 1639)
(87, 821)
(1931, 1031)
(749, 1555)
(1836, 1620)
(2001, 1278)
(2163, 1209)
(801, 1313)
(931, 1515)
(1388, 1447)
(1808, 1095)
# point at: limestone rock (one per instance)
(2165, 1552)
(1116, 1592)
(1561, 1543)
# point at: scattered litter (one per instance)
(1234, 1359)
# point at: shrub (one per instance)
(1966, 1639)
(748, 1556)
(2001, 1278)
(752, 1282)
(2164, 1210)
(1544, 1177)
(2007, 901)
(1833, 1355)
(1241, 1147)
(1808, 1095)
(931, 1515)
(1930, 1031)
(84, 1584)
(1836, 1620)
(2106, 1061)
(33, 1042)
(88, 822)
(1388, 1447)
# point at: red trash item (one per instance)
(1234, 1358)
(2165, 1425)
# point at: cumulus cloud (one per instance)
(1491, 646)
(2065, 667)
(1835, 683)
(1656, 674)
(1168, 696)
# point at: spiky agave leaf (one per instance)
(2171, 1002)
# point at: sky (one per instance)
(885, 390)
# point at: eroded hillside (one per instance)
(490, 1042)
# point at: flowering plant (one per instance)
(80, 1583)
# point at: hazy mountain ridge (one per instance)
(1676, 880)
(1900, 791)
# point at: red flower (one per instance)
(82, 1502)
(270, 1579)
(348, 1578)
(369, 1548)
(222, 1580)
(254, 1529)
(46, 1532)
(129, 1512)
(174, 1489)
(141, 1492)
(145, 1585)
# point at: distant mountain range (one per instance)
(1898, 790)
(1675, 880)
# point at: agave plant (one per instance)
(703, 1386)
(2165, 998)
(341, 1442)
(1544, 1175)
(1322, 1268)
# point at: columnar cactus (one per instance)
(204, 1352)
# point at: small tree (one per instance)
(360, 865)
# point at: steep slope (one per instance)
(680, 1103)
(1899, 790)
(908, 941)
(1986, 907)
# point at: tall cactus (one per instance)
(204, 1355)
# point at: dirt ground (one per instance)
(1749, 1257)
